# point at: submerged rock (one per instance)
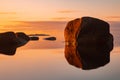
(88, 42)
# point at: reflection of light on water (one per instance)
(116, 50)
(1, 26)
(43, 44)
(40, 63)
(36, 63)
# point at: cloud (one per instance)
(61, 18)
(66, 11)
(115, 17)
(7, 13)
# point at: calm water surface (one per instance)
(44, 60)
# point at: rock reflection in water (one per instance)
(86, 57)
(8, 50)
(10, 41)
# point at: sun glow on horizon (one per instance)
(57, 10)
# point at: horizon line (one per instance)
(57, 21)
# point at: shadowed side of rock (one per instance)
(95, 32)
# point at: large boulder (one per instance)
(9, 41)
(91, 40)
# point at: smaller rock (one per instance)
(50, 38)
(38, 35)
(34, 38)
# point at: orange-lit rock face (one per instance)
(71, 31)
(88, 43)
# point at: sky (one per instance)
(58, 10)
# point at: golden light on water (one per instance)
(6, 23)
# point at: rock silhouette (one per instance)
(50, 38)
(9, 41)
(88, 43)
(34, 38)
(38, 35)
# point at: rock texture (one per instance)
(71, 31)
(91, 40)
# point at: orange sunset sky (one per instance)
(58, 10)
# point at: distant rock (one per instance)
(38, 35)
(89, 40)
(50, 38)
(34, 38)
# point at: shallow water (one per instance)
(44, 60)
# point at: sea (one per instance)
(44, 59)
